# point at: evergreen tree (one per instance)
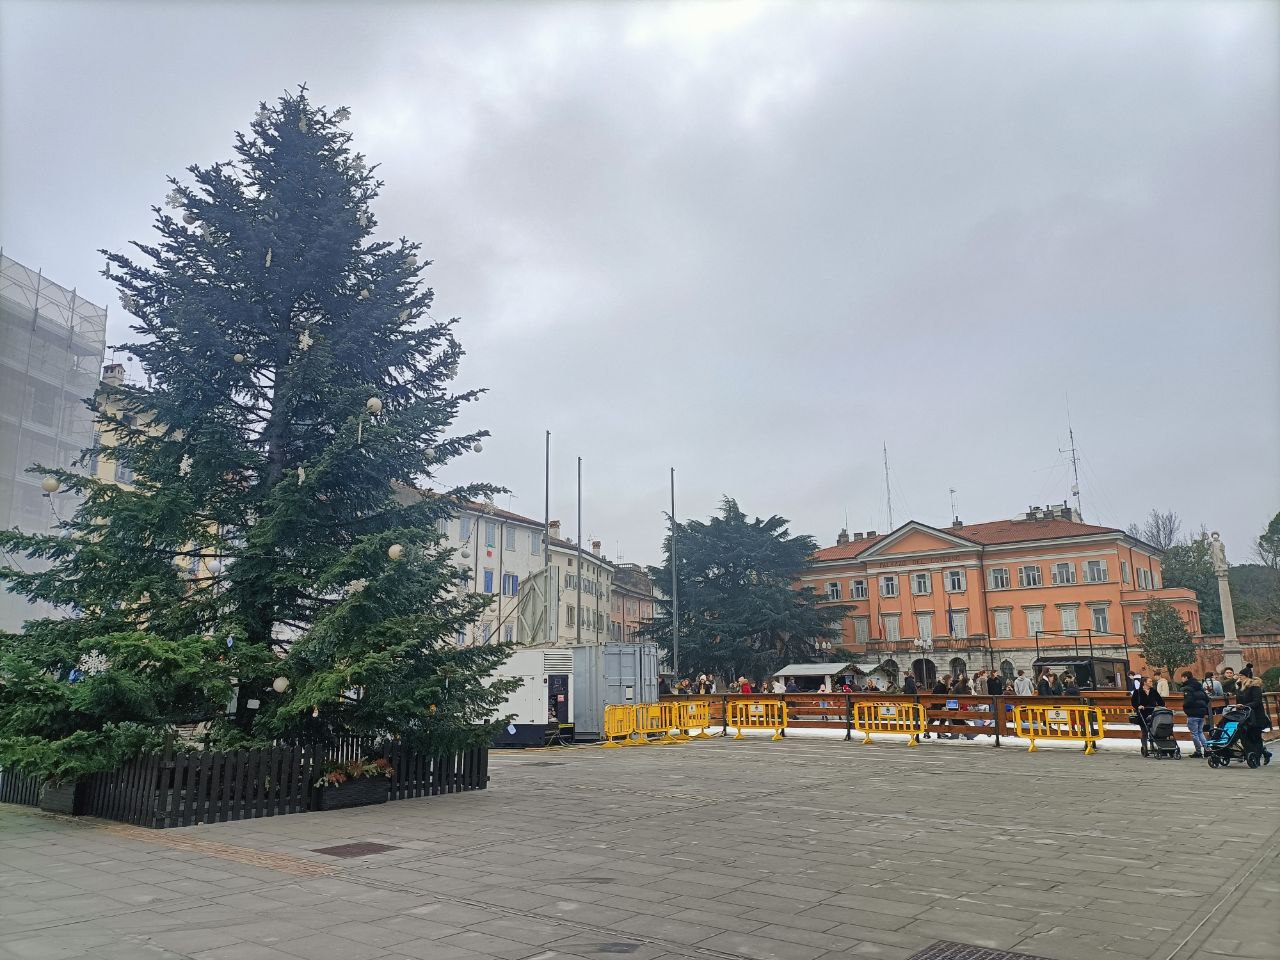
(1166, 641)
(297, 392)
(1187, 564)
(741, 612)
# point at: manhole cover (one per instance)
(948, 950)
(355, 849)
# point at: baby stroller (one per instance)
(1159, 730)
(1230, 740)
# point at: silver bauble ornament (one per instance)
(49, 484)
(395, 551)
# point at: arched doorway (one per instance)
(958, 666)
(1006, 669)
(924, 670)
(890, 669)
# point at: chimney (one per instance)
(859, 535)
(555, 529)
(842, 538)
(595, 547)
(956, 524)
(113, 373)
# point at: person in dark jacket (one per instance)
(1044, 687)
(1069, 686)
(1195, 704)
(995, 684)
(909, 685)
(1251, 696)
(1145, 699)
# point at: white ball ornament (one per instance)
(477, 448)
(49, 484)
(364, 294)
(411, 260)
(464, 553)
(280, 684)
(189, 218)
(373, 405)
(395, 551)
(238, 357)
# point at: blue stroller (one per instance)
(1231, 740)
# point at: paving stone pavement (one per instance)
(714, 850)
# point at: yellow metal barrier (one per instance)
(1063, 721)
(654, 720)
(758, 714)
(671, 717)
(883, 717)
(693, 714)
(619, 722)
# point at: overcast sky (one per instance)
(755, 242)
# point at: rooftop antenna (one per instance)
(1075, 462)
(954, 514)
(888, 495)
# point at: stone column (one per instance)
(1232, 654)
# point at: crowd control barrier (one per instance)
(758, 714)
(690, 715)
(619, 725)
(671, 717)
(1059, 722)
(653, 720)
(881, 716)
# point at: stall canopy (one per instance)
(827, 669)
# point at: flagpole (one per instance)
(577, 617)
(546, 539)
(675, 597)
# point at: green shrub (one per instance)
(1271, 679)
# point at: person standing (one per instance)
(744, 685)
(1195, 704)
(1022, 685)
(779, 686)
(1212, 685)
(1230, 685)
(1162, 686)
(995, 684)
(1069, 686)
(791, 685)
(909, 685)
(1251, 696)
(1043, 687)
(1145, 699)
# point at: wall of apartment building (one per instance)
(52, 343)
(1056, 588)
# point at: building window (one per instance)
(892, 629)
(921, 584)
(889, 585)
(508, 633)
(461, 638)
(1095, 571)
(955, 581)
(1064, 573)
(1155, 579)
(442, 526)
(998, 578)
(833, 591)
(1069, 622)
(959, 623)
(510, 585)
(1139, 623)
(859, 588)
(124, 474)
(1035, 621)
(568, 616)
(465, 527)
(861, 629)
(1124, 570)
(488, 580)
(924, 626)
(509, 537)
(1100, 624)
(1004, 626)
(486, 630)
(490, 533)
(535, 542)
(1029, 576)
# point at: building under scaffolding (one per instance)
(52, 343)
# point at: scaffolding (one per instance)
(52, 344)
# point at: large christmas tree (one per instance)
(271, 571)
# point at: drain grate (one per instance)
(355, 849)
(949, 950)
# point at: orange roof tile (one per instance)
(992, 533)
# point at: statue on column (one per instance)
(1218, 555)
(1232, 654)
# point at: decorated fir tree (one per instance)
(272, 570)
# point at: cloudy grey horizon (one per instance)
(756, 242)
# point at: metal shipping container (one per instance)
(607, 673)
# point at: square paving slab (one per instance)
(805, 849)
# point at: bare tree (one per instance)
(1160, 529)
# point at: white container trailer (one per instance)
(541, 708)
(610, 673)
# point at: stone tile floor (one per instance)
(718, 850)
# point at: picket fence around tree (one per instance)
(178, 788)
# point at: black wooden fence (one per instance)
(181, 788)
